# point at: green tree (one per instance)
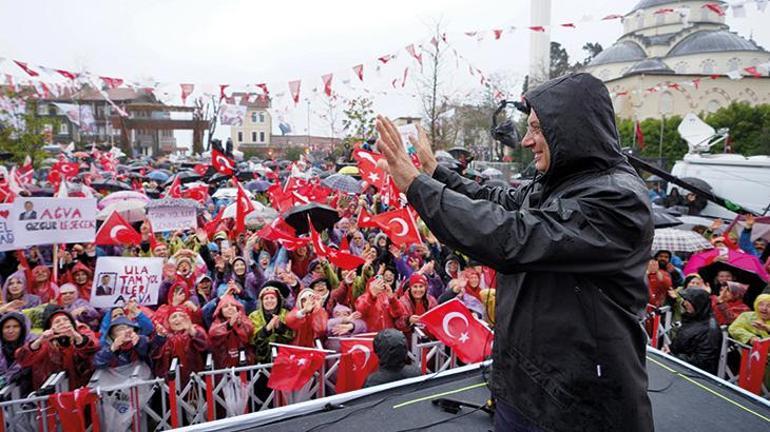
(358, 123)
(26, 135)
(559, 61)
(673, 147)
(749, 128)
(293, 153)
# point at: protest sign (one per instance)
(40, 221)
(6, 228)
(120, 279)
(172, 218)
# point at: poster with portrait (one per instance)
(41, 221)
(118, 280)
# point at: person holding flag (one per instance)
(569, 249)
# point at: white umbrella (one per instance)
(130, 210)
(676, 240)
(259, 216)
(229, 193)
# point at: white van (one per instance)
(739, 179)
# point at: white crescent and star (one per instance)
(367, 156)
(445, 325)
(223, 161)
(364, 349)
(402, 224)
(115, 230)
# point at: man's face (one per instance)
(105, 280)
(28, 206)
(759, 245)
(535, 141)
(664, 256)
(161, 251)
(724, 276)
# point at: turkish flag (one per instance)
(367, 167)
(343, 260)
(279, 199)
(198, 193)
(71, 407)
(357, 362)
(201, 169)
(116, 231)
(175, 190)
(391, 194)
(364, 219)
(243, 206)
(315, 239)
(67, 170)
(753, 363)
(26, 68)
(293, 367)
(212, 226)
(222, 164)
(454, 325)
(399, 225)
(639, 135)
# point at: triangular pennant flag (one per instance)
(359, 71)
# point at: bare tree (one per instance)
(207, 108)
(434, 93)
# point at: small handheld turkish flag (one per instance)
(454, 325)
(221, 163)
(753, 363)
(364, 219)
(344, 260)
(243, 206)
(175, 190)
(294, 366)
(116, 231)
(399, 226)
(358, 361)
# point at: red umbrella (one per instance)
(735, 258)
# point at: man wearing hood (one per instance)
(124, 345)
(64, 345)
(699, 339)
(391, 349)
(570, 251)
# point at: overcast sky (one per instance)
(240, 41)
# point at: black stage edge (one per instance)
(683, 400)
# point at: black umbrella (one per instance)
(457, 152)
(37, 191)
(322, 216)
(111, 185)
(662, 219)
(246, 175)
(753, 280)
(184, 177)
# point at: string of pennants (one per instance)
(38, 77)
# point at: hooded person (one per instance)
(80, 309)
(752, 325)
(391, 349)
(379, 306)
(269, 321)
(234, 289)
(572, 245)
(123, 345)
(184, 340)
(230, 333)
(308, 319)
(344, 323)
(204, 289)
(64, 345)
(14, 333)
(179, 295)
(452, 268)
(415, 302)
(140, 315)
(41, 284)
(699, 339)
(82, 276)
(729, 304)
(15, 295)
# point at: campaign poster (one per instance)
(118, 280)
(41, 221)
(7, 240)
(173, 218)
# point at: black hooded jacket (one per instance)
(699, 340)
(570, 251)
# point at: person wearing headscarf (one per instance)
(140, 315)
(15, 295)
(14, 332)
(42, 285)
(179, 295)
(123, 345)
(234, 289)
(415, 302)
(82, 276)
(204, 289)
(184, 340)
(699, 339)
(728, 305)
(751, 326)
(64, 345)
(230, 333)
(269, 322)
(80, 309)
(456, 289)
(308, 319)
(379, 306)
(344, 323)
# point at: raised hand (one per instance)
(424, 151)
(397, 162)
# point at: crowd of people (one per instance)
(226, 291)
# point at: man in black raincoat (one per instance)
(570, 252)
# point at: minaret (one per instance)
(539, 42)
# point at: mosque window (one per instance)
(713, 106)
(707, 66)
(681, 68)
(733, 64)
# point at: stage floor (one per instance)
(685, 401)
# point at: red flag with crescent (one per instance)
(294, 366)
(116, 231)
(454, 325)
(753, 363)
(399, 225)
(357, 362)
(221, 163)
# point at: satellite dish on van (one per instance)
(699, 135)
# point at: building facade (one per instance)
(255, 131)
(666, 43)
